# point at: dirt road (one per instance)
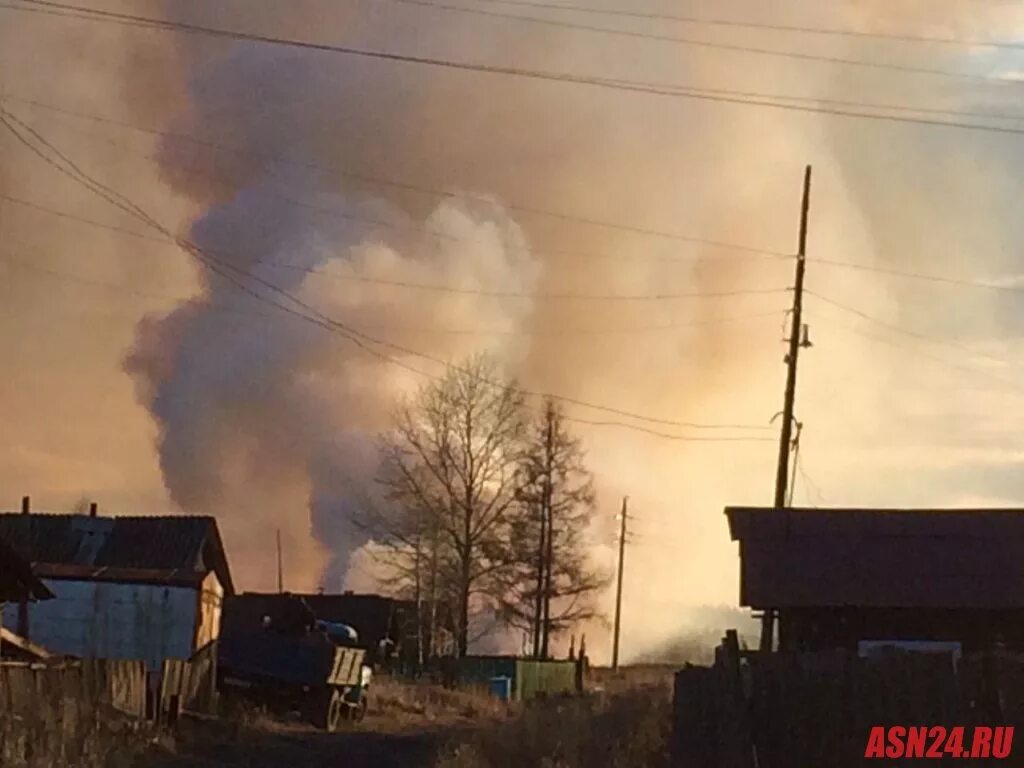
(306, 749)
(628, 718)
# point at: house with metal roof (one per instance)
(855, 578)
(148, 588)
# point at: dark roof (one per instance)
(170, 543)
(17, 582)
(936, 558)
(374, 617)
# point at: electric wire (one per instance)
(905, 331)
(362, 340)
(702, 21)
(920, 276)
(411, 228)
(404, 185)
(916, 349)
(618, 85)
(668, 327)
(404, 284)
(688, 41)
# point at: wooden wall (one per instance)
(784, 710)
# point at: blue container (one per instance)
(501, 687)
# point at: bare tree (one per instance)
(553, 584)
(408, 546)
(449, 471)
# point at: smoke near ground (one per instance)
(170, 391)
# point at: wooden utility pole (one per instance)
(548, 541)
(618, 588)
(280, 565)
(23, 629)
(797, 339)
(538, 615)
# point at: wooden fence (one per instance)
(68, 714)
(189, 686)
(76, 713)
(778, 710)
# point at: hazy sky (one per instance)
(141, 379)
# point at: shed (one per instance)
(529, 678)
(147, 588)
(841, 577)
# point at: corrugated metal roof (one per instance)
(17, 582)
(935, 558)
(165, 543)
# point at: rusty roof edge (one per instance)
(172, 576)
(222, 568)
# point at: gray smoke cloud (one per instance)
(279, 416)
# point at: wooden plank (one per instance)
(7, 637)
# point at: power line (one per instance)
(82, 219)
(706, 43)
(784, 97)
(963, 368)
(683, 438)
(55, 9)
(765, 99)
(211, 306)
(809, 485)
(920, 276)
(916, 350)
(757, 254)
(358, 338)
(119, 287)
(898, 329)
(404, 185)
(617, 85)
(331, 274)
(697, 20)
(690, 93)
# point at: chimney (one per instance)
(92, 509)
(26, 505)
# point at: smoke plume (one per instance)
(142, 378)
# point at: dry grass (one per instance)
(396, 703)
(623, 723)
(626, 725)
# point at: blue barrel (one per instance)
(501, 687)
